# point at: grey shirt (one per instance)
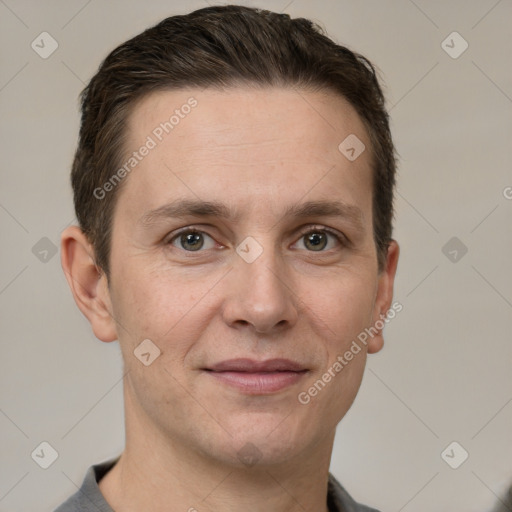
(89, 497)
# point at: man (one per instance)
(234, 188)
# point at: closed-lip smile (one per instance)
(258, 377)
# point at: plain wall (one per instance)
(445, 372)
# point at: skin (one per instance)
(258, 152)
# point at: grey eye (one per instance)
(192, 241)
(315, 241)
(318, 240)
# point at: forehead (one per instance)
(273, 144)
(240, 113)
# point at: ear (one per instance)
(87, 282)
(384, 296)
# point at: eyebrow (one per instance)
(197, 208)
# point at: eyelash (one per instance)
(306, 231)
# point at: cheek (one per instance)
(341, 308)
(168, 308)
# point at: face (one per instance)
(243, 248)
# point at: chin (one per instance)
(261, 442)
(254, 453)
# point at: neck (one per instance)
(157, 474)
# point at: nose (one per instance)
(260, 295)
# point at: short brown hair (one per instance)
(221, 46)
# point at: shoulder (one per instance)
(339, 500)
(89, 497)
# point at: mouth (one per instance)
(257, 377)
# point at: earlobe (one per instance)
(88, 283)
(386, 280)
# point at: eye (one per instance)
(319, 240)
(192, 240)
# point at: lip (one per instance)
(258, 377)
(253, 366)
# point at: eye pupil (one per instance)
(192, 241)
(316, 241)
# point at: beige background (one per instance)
(445, 372)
